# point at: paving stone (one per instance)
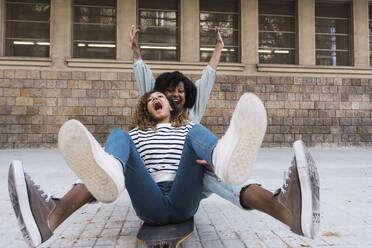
(346, 197)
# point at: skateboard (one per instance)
(167, 236)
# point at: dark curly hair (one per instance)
(143, 120)
(167, 79)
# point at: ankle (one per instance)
(282, 213)
(58, 215)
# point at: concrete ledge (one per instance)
(314, 69)
(156, 66)
(25, 61)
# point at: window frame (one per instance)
(238, 30)
(178, 28)
(98, 42)
(295, 33)
(370, 32)
(5, 38)
(350, 36)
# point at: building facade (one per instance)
(308, 60)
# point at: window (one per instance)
(370, 34)
(332, 33)
(277, 32)
(94, 29)
(27, 28)
(226, 16)
(158, 23)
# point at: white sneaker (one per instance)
(236, 151)
(101, 173)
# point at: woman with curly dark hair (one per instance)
(155, 162)
(142, 118)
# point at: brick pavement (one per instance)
(346, 199)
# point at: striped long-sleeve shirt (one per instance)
(161, 150)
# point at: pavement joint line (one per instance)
(346, 196)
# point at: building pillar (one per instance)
(306, 32)
(189, 31)
(249, 31)
(2, 23)
(126, 16)
(60, 32)
(361, 33)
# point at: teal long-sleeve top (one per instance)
(146, 82)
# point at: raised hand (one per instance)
(219, 38)
(133, 43)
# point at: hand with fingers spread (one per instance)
(133, 43)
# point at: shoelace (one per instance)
(286, 178)
(44, 195)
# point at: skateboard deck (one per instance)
(167, 236)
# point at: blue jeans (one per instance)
(150, 204)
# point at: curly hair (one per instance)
(172, 79)
(142, 119)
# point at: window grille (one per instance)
(332, 33)
(159, 29)
(226, 16)
(94, 29)
(27, 28)
(277, 32)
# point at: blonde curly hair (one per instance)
(142, 119)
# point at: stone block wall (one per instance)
(330, 112)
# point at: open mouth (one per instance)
(158, 106)
(176, 101)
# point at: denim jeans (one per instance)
(150, 204)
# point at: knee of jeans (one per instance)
(194, 132)
(195, 128)
(119, 132)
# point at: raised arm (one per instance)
(144, 77)
(133, 44)
(205, 84)
(215, 59)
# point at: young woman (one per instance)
(246, 195)
(155, 162)
(192, 97)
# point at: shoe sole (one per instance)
(76, 147)
(309, 184)
(250, 120)
(19, 198)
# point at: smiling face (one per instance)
(159, 107)
(177, 94)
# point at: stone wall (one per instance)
(331, 112)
